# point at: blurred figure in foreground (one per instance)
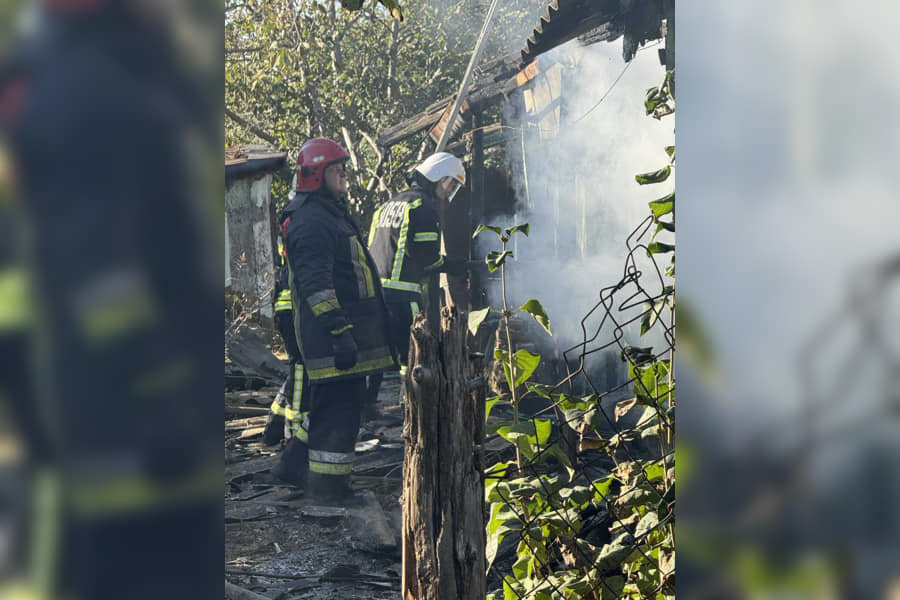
(126, 501)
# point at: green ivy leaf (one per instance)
(503, 520)
(528, 436)
(613, 587)
(670, 150)
(655, 176)
(495, 259)
(612, 554)
(563, 459)
(542, 389)
(476, 318)
(536, 310)
(526, 363)
(493, 228)
(522, 567)
(652, 312)
(579, 495)
(524, 228)
(646, 524)
(498, 470)
(663, 225)
(601, 487)
(659, 248)
(488, 405)
(654, 471)
(663, 206)
(511, 590)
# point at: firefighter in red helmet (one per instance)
(340, 317)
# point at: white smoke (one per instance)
(577, 242)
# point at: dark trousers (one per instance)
(334, 418)
(403, 309)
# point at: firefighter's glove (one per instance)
(344, 351)
(455, 266)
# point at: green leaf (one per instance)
(526, 363)
(476, 318)
(522, 567)
(498, 470)
(601, 487)
(536, 310)
(670, 150)
(510, 592)
(493, 228)
(528, 436)
(499, 525)
(543, 390)
(579, 495)
(654, 471)
(655, 176)
(652, 312)
(663, 225)
(524, 228)
(663, 206)
(613, 587)
(612, 554)
(495, 259)
(563, 459)
(646, 524)
(659, 248)
(488, 405)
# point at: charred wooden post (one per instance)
(443, 480)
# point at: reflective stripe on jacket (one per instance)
(404, 240)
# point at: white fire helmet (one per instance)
(443, 164)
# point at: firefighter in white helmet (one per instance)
(405, 241)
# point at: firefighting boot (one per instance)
(274, 431)
(331, 489)
(294, 463)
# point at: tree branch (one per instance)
(350, 148)
(378, 151)
(238, 50)
(255, 129)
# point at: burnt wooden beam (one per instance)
(489, 77)
(491, 135)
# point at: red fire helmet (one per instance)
(315, 155)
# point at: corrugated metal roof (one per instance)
(595, 21)
(567, 19)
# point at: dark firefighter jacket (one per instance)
(404, 240)
(335, 288)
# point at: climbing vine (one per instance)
(583, 532)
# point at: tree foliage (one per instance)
(296, 69)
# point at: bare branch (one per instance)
(350, 148)
(378, 151)
(255, 129)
